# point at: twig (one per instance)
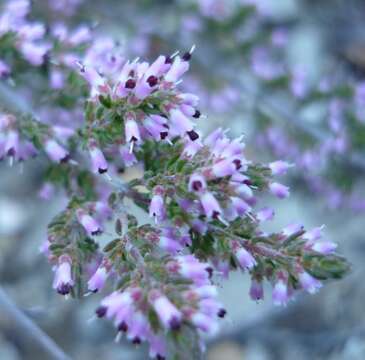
(30, 329)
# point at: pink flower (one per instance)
(265, 214)
(97, 281)
(210, 205)
(256, 290)
(167, 312)
(63, 282)
(157, 208)
(90, 225)
(324, 247)
(197, 183)
(280, 293)
(279, 167)
(55, 151)
(99, 164)
(309, 283)
(245, 259)
(279, 190)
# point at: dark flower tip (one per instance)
(222, 313)
(152, 81)
(197, 114)
(136, 340)
(168, 60)
(65, 159)
(197, 185)
(123, 327)
(102, 171)
(193, 135)
(238, 163)
(64, 289)
(160, 357)
(186, 56)
(96, 232)
(209, 270)
(130, 84)
(163, 135)
(175, 324)
(101, 311)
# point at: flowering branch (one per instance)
(201, 195)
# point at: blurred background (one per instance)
(260, 67)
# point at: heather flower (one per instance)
(157, 209)
(97, 281)
(280, 293)
(197, 183)
(279, 167)
(63, 281)
(210, 205)
(167, 312)
(279, 190)
(245, 259)
(89, 223)
(12, 143)
(256, 290)
(47, 191)
(55, 151)
(265, 214)
(292, 229)
(99, 164)
(309, 283)
(324, 247)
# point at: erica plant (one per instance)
(156, 275)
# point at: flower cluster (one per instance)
(158, 277)
(29, 36)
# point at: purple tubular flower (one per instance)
(4, 69)
(279, 190)
(90, 224)
(245, 259)
(117, 303)
(138, 328)
(265, 214)
(240, 206)
(157, 208)
(191, 268)
(211, 307)
(55, 151)
(158, 348)
(224, 168)
(63, 282)
(292, 229)
(210, 205)
(309, 283)
(46, 191)
(205, 323)
(167, 312)
(98, 162)
(256, 290)
(197, 183)
(314, 234)
(180, 123)
(57, 79)
(34, 53)
(128, 158)
(280, 293)
(170, 244)
(97, 281)
(12, 143)
(324, 247)
(177, 69)
(132, 133)
(279, 167)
